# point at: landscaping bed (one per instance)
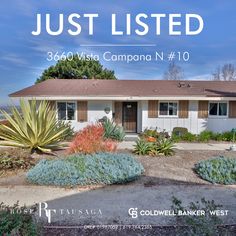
(177, 169)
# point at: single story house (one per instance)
(141, 104)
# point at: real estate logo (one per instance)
(44, 210)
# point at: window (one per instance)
(66, 110)
(168, 108)
(218, 109)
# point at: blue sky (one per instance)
(23, 56)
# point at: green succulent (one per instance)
(113, 131)
(142, 147)
(165, 146)
(35, 126)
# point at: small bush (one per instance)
(113, 131)
(16, 220)
(218, 136)
(165, 146)
(90, 140)
(15, 158)
(142, 147)
(227, 136)
(182, 134)
(197, 225)
(34, 126)
(219, 170)
(53, 172)
(189, 137)
(109, 145)
(101, 168)
(205, 136)
(149, 133)
(153, 134)
(162, 145)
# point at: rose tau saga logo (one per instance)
(44, 210)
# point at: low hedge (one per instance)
(18, 220)
(179, 134)
(219, 170)
(101, 168)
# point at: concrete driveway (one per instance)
(110, 205)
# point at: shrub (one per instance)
(113, 131)
(90, 140)
(16, 220)
(219, 170)
(15, 158)
(227, 136)
(109, 145)
(201, 225)
(161, 146)
(205, 136)
(53, 172)
(182, 134)
(101, 168)
(218, 136)
(165, 146)
(176, 138)
(149, 133)
(189, 137)
(33, 127)
(142, 147)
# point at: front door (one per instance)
(130, 117)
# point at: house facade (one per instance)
(141, 104)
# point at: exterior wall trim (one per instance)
(124, 98)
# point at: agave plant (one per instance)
(142, 147)
(113, 131)
(165, 146)
(34, 126)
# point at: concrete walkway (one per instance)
(185, 146)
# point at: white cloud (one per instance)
(14, 59)
(26, 7)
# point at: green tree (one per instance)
(76, 68)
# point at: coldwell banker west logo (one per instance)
(49, 213)
(135, 212)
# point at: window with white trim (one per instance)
(168, 108)
(218, 108)
(66, 110)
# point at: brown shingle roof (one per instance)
(142, 88)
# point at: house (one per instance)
(140, 104)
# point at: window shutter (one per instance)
(152, 109)
(232, 109)
(82, 111)
(52, 105)
(118, 112)
(203, 109)
(183, 109)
